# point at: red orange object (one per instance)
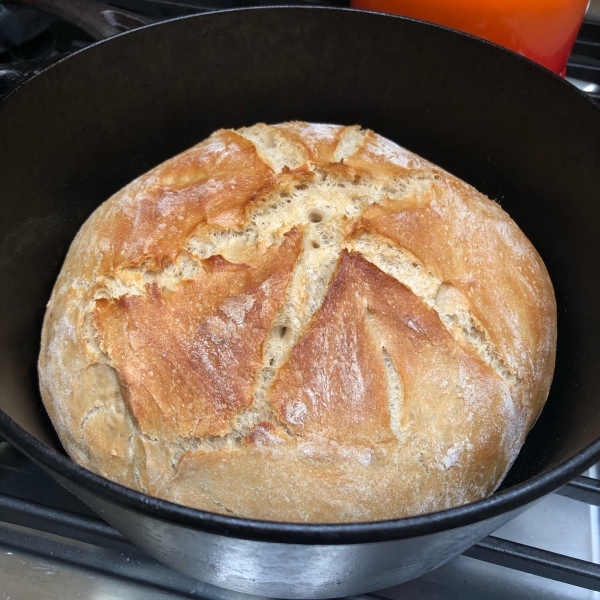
(543, 30)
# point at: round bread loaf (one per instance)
(299, 323)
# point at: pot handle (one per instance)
(96, 19)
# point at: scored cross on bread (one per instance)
(299, 323)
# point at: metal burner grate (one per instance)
(583, 68)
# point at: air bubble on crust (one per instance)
(184, 179)
(150, 277)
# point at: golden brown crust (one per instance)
(301, 323)
(192, 381)
(333, 384)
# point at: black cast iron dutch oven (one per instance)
(79, 131)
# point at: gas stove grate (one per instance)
(583, 68)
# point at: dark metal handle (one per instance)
(96, 19)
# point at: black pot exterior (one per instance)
(79, 131)
(280, 570)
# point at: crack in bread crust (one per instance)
(395, 394)
(451, 306)
(305, 293)
(394, 384)
(322, 207)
